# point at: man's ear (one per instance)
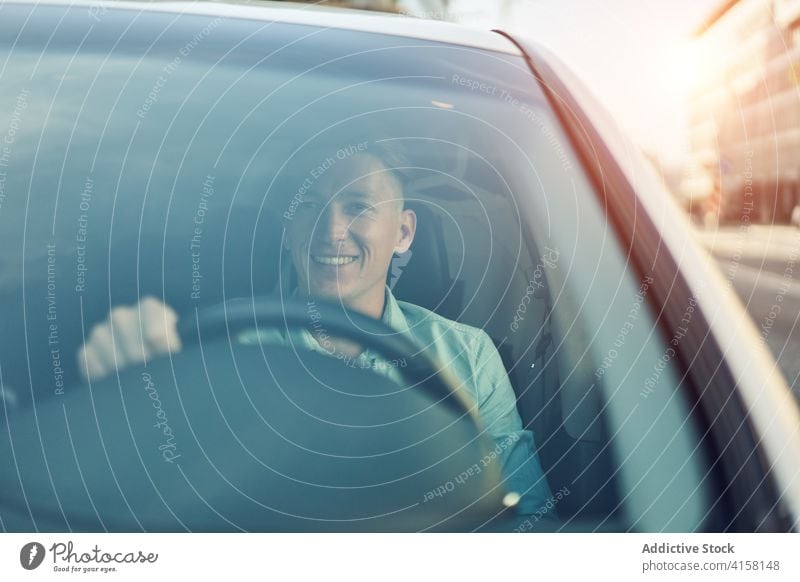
(408, 227)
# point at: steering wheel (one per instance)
(206, 440)
(236, 315)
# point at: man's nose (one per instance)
(333, 224)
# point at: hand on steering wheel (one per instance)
(129, 335)
(149, 329)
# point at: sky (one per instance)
(634, 55)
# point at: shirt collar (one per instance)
(392, 316)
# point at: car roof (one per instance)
(312, 15)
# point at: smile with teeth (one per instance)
(325, 260)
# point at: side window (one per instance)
(612, 426)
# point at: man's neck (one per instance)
(373, 308)
(372, 305)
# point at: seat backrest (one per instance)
(570, 441)
(423, 277)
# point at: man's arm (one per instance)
(497, 407)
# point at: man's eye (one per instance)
(307, 205)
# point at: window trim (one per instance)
(749, 498)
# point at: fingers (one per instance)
(98, 354)
(124, 328)
(129, 335)
(90, 362)
(159, 326)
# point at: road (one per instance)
(763, 265)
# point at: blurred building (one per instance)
(745, 113)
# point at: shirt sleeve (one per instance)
(497, 408)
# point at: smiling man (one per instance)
(342, 234)
(357, 218)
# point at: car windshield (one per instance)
(163, 155)
(169, 174)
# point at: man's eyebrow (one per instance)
(358, 195)
(346, 194)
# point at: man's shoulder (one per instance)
(422, 321)
(467, 350)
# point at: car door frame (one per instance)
(749, 495)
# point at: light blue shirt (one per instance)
(470, 354)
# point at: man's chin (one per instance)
(331, 291)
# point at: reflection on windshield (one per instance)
(170, 175)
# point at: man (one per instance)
(341, 235)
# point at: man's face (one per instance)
(345, 230)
